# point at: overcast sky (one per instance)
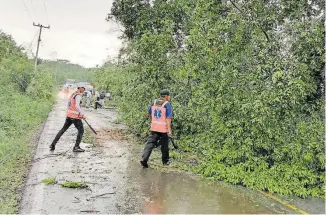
(78, 30)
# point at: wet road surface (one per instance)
(117, 183)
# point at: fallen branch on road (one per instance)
(103, 195)
(90, 211)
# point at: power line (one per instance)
(30, 45)
(46, 13)
(27, 11)
(33, 9)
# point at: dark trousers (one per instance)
(97, 102)
(77, 123)
(152, 142)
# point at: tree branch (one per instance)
(235, 6)
(261, 28)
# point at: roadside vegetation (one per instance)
(26, 99)
(247, 83)
(63, 69)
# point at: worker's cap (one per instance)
(81, 85)
(164, 92)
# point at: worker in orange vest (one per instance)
(74, 116)
(160, 113)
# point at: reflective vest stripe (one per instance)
(159, 122)
(163, 105)
(71, 111)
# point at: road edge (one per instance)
(33, 142)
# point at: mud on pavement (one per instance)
(99, 167)
(116, 182)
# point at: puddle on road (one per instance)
(152, 191)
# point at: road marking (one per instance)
(284, 203)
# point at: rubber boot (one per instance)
(144, 164)
(77, 148)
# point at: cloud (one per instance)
(78, 32)
(72, 45)
(75, 45)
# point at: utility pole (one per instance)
(38, 42)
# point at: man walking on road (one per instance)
(88, 98)
(97, 99)
(74, 116)
(100, 100)
(160, 113)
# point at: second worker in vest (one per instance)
(160, 113)
(74, 116)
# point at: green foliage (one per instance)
(21, 114)
(247, 83)
(73, 184)
(39, 87)
(113, 79)
(63, 69)
(49, 181)
(88, 136)
(15, 68)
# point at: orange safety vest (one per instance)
(72, 111)
(159, 122)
